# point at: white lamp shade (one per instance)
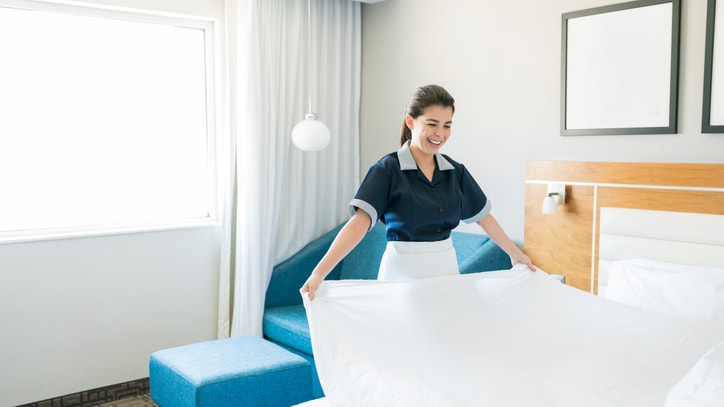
(549, 205)
(311, 134)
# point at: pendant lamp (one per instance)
(310, 134)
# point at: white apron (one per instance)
(410, 260)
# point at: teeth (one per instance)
(434, 142)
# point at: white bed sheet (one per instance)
(323, 402)
(508, 338)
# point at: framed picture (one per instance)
(713, 107)
(620, 69)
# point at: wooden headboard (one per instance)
(567, 242)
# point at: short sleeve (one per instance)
(475, 204)
(374, 193)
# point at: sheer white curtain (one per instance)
(285, 197)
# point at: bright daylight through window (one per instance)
(104, 119)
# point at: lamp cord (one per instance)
(309, 53)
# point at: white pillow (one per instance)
(703, 386)
(676, 289)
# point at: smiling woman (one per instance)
(420, 195)
(107, 119)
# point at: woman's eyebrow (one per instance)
(431, 120)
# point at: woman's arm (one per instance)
(347, 239)
(491, 226)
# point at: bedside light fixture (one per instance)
(310, 134)
(556, 196)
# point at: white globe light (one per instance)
(311, 134)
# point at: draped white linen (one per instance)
(285, 197)
(506, 338)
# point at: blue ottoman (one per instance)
(241, 371)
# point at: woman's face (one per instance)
(431, 129)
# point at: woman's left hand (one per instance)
(523, 259)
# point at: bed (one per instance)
(653, 336)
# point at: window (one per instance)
(106, 119)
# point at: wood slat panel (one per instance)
(666, 174)
(561, 243)
(661, 200)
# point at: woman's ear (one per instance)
(409, 121)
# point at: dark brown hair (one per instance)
(424, 97)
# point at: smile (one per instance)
(437, 143)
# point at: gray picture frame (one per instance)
(620, 69)
(713, 105)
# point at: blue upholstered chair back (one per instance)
(475, 253)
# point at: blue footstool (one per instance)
(241, 371)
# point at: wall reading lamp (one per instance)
(556, 196)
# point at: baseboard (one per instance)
(97, 396)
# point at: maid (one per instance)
(420, 195)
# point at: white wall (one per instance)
(78, 314)
(83, 313)
(501, 62)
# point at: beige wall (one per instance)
(501, 61)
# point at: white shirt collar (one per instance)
(407, 162)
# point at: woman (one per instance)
(420, 195)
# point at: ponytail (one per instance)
(405, 133)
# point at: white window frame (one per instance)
(213, 119)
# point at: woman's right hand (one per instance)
(311, 285)
(346, 240)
